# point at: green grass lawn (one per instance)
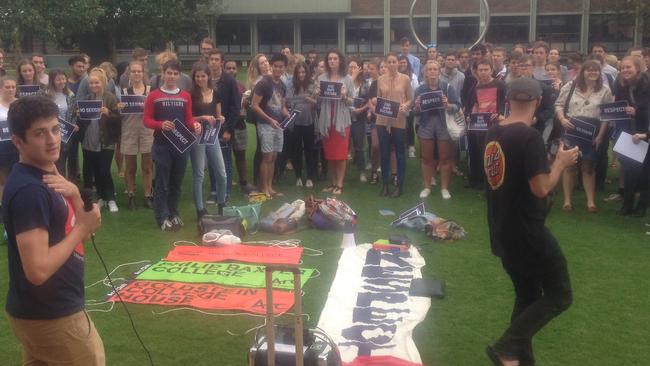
(607, 255)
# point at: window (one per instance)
(457, 33)
(560, 31)
(319, 34)
(616, 31)
(400, 28)
(273, 34)
(233, 36)
(364, 36)
(506, 31)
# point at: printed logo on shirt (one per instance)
(69, 224)
(494, 163)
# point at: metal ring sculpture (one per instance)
(480, 37)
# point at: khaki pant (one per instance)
(71, 341)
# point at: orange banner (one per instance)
(203, 296)
(239, 253)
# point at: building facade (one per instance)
(375, 27)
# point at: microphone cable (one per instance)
(126, 309)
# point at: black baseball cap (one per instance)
(523, 90)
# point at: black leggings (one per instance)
(97, 169)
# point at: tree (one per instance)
(153, 22)
(46, 19)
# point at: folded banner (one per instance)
(203, 296)
(239, 253)
(369, 312)
(229, 274)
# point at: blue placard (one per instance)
(358, 103)
(67, 130)
(90, 109)
(289, 120)
(209, 134)
(614, 111)
(583, 131)
(387, 108)
(26, 90)
(133, 104)
(180, 137)
(431, 100)
(479, 121)
(330, 89)
(5, 133)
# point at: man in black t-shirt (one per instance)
(518, 181)
(46, 225)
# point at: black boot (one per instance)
(384, 191)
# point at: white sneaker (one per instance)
(167, 226)
(433, 182)
(112, 206)
(101, 203)
(411, 151)
(445, 194)
(425, 193)
(309, 183)
(614, 197)
(363, 178)
(368, 166)
(299, 182)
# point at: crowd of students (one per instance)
(327, 133)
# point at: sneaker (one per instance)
(309, 183)
(368, 166)
(167, 226)
(131, 201)
(374, 178)
(112, 206)
(363, 178)
(212, 199)
(101, 203)
(445, 194)
(148, 202)
(425, 193)
(411, 151)
(177, 223)
(299, 182)
(614, 197)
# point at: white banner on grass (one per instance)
(369, 312)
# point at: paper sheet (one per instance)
(626, 147)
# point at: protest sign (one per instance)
(614, 111)
(90, 109)
(330, 89)
(387, 108)
(5, 133)
(479, 121)
(180, 137)
(209, 133)
(67, 130)
(289, 120)
(26, 90)
(133, 104)
(431, 100)
(583, 131)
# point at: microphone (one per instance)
(87, 197)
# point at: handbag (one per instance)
(250, 215)
(455, 123)
(217, 222)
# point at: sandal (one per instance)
(329, 188)
(337, 190)
(592, 209)
(567, 208)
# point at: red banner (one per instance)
(240, 253)
(203, 296)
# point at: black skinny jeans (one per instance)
(97, 168)
(302, 142)
(542, 292)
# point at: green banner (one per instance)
(229, 274)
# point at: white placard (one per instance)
(626, 147)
